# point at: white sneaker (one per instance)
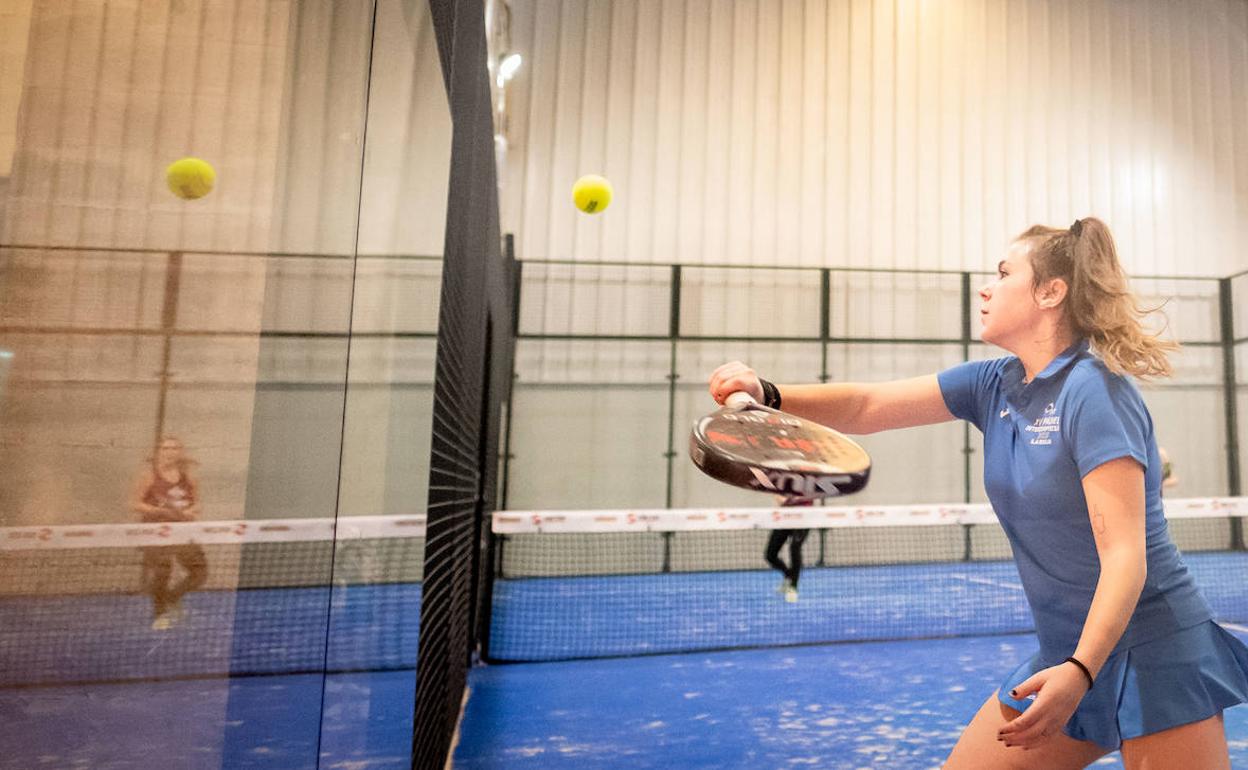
(177, 613)
(782, 586)
(790, 594)
(162, 623)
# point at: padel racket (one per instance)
(748, 445)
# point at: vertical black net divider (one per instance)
(475, 306)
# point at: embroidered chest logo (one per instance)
(1043, 427)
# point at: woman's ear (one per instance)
(1051, 294)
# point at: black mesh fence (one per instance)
(473, 374)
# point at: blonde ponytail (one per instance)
(1099, 303)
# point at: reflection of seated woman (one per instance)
(165, 491)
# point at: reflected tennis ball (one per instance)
(190, 178)
(591, 193)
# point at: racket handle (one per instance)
(739, 398)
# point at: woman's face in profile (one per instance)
(1008, 309)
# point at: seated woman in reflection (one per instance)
(166, 491)
(793, 570)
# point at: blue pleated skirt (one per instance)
(1185, 677)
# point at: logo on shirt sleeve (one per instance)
(1044, 426)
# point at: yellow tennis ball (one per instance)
(190, 178)
(591, 193)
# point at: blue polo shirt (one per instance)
(1040, 439)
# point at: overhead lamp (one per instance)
(508, 66)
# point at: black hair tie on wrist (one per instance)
(771, 394)
(1083, 668)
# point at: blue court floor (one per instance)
(877, 704)
(268, 722)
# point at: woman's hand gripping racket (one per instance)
(749, 445)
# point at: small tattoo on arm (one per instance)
(1098, 523)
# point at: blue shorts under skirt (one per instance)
(1186, 677)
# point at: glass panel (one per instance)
(589, 425)
(174, 350)
(723, 302)
(1188, 308)
(383, 483)
(896, 305)
(1189, 418)
(630, 300)
(397, 295)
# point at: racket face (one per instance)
(758, 448)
